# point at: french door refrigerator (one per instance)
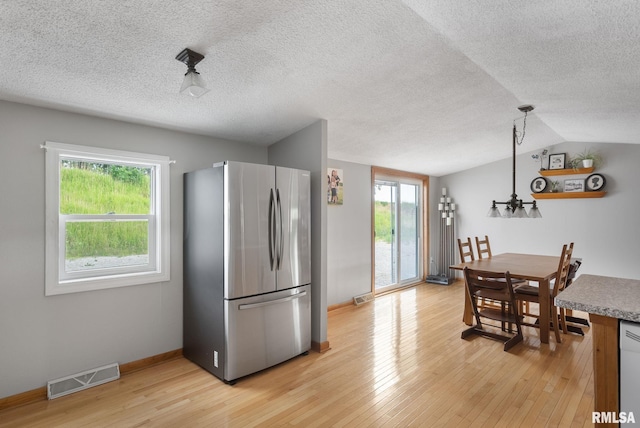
(247, 267)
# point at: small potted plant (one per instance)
(555, 186)
(587, 159)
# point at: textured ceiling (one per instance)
(424, 86)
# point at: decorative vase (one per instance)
(587, 163)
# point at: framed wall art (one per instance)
(574, 185)
(595, 182)
(538, 185)
(335, 186)
(557, 161)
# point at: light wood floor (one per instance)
(397, 361)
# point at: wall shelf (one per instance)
(568, 195)
(568, 171)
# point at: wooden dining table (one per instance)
(531, 267)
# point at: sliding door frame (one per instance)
(424, 213)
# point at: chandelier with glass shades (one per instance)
(514, 207)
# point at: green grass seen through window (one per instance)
(96, 189)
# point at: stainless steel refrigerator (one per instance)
(247, 267)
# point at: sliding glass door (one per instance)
(386, 242)
(397, 232)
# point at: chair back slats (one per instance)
(498, 284)
(466, 250)
(573, 269)
(483, 247)
(564, 269)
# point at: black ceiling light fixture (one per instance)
(193, 84)
(514, 206)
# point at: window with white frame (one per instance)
(107, 218)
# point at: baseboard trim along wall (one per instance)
(27, 397)
(40, 394)
(320, 347)
(339, 305)
(149, 361)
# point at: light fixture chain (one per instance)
(524, 128)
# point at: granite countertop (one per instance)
(603, 295)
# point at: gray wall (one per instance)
(307, 149)
(43, 338)
(48, 337)
(349, 235)
(604, 230)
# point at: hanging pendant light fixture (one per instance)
(514, 207)
(193, 84)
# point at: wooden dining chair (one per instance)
(574, 324)
(466, 250)
(483, 247)
(497, 287)
(530, 293)
(466, 255)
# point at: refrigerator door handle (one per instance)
(280, 247)
(271, 230)
(271, 302)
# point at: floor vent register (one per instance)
(78, 382)
(362, 299)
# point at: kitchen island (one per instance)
(607, 300)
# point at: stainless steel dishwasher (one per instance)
(630, 367)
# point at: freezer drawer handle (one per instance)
(271, 302)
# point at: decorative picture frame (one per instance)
(574, 185)
(538, 185)
(557, 160)
(335, 186)
(595, 182)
